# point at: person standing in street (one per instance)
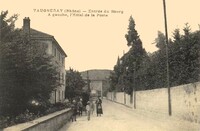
(99, 107)
(88, 110)
(74, 110)
(92, 107)
(80, 107)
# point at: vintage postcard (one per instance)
(100, 65)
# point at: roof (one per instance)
(38, 35)
(96, 74)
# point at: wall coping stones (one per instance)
(35, 122)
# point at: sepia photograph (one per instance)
(85, 65)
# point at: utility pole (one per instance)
(0, 26)
(166, 35)
(123, 71)
(88, 82)
(55, 95)
(123, 83)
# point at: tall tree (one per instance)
(128, 66)
(132, 36)
(131, 61)
(176, 35)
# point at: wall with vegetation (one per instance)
(51, 122)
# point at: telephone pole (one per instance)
(166, 35)
(88, 82)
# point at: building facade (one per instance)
(54, 49)
(98, 81)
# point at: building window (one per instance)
(59, 96)
(59, 57)
(63, 78)
(62, 94)
(52, 50)
(55, 52)
(63, 60)
(59, 77)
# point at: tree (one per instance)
(160, 40)
(184, 57)
(115, 77)
(7, 34)
(132, 36)
(149, 70)
(74, 84)
(134, 58)
(186, 30)
(128, 65)
(26, 72)
(176, 35)
(183, 60)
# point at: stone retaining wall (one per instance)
(51, 122)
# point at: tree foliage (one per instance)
(127, 66)
(74, 84)
(26, 70)
(149, 70)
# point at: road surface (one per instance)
(118, 117)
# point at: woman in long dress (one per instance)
(99, 107)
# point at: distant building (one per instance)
(54, 49)
(98, 81)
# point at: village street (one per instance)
(117, 117)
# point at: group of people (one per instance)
(90, 108)
(77, 108)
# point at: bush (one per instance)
(23, 117)
(56, 107)
(26, 116)
(33, 113)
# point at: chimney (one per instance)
(26, 25)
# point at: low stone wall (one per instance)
(185, 101)
(51, 122)
(153, 100)
(128, 100)
(120, 97)
(111, 96)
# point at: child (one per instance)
(88, 110)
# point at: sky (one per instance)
(96, 42)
